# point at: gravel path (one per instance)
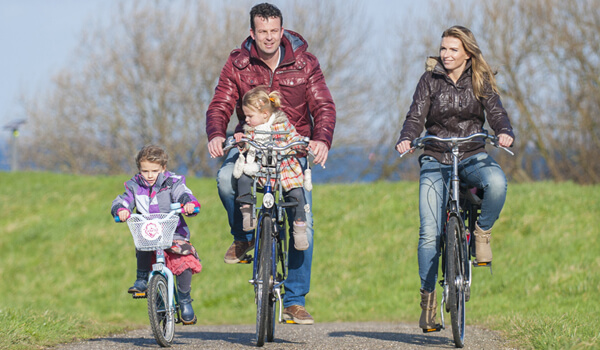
(322, 336)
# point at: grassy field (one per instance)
(65, 266)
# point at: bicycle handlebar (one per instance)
(172, 212)
(420, 142)
(270, 146)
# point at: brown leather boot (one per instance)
(428, 310)
(483, 250)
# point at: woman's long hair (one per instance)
(482, 73)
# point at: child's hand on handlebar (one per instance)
(238, 136)
(123, 214)
(189, 208)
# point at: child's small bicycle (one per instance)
(154, 232)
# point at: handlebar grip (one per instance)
(196, 210)
(117, 219)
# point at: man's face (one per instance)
(267, 34)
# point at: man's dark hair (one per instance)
(266, 11)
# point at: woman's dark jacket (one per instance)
(448, 109)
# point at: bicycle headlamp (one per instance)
(268, 200)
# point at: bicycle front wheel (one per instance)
(456, 278)
(162, 320)
(264, 301)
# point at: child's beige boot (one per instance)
(428, 311)
(300, 236)
(248, 223)
(483, 250)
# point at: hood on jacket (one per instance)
(292, 43)
(435, 65)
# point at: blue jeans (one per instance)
(297, 284)
(479, 170)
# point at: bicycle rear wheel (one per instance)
(264, 300)
(456, 251)
(162, 321)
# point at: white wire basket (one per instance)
(153, 231)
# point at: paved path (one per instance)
(321, 336)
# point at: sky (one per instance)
(38, 38)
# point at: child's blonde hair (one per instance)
(261, 99)
(152, 154)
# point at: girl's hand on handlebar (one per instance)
(189, 208)
(505, 140)
(404, 146)
(238, 136)
(124, 215)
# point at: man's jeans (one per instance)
(479, 170)
(297, 284)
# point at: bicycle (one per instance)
(270, 245)
(457, 247)
(154, 232)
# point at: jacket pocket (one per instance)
(252, 79)
(291, 79)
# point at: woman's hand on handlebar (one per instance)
(215, 147)
(404, 146)
(505, 140)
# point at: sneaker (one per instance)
(237, 251)
(139, 286)
(297, 314)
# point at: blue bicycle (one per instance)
(270, 263)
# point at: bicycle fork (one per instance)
(160, 268)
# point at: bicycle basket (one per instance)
(153, 231)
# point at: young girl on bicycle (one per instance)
(153, 190)
(263, 114)
(453, 99)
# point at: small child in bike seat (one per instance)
(262, 112)
(152, 190)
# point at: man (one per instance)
(277, 59)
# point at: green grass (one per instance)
(65, 266)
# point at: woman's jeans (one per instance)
(479, 170)
(297, 284)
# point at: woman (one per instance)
(452, 99)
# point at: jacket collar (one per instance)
(292, 44)
(435, 65)
(159, 180)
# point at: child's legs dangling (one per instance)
(298, 218)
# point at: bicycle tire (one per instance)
(455, 275)
(264, 275)
(162, 321)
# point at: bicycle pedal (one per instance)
(288, 322)
(432, 330)
(246, 259)
(486, 264)
(139, 295)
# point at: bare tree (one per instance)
(546, 54)
(148, 76)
